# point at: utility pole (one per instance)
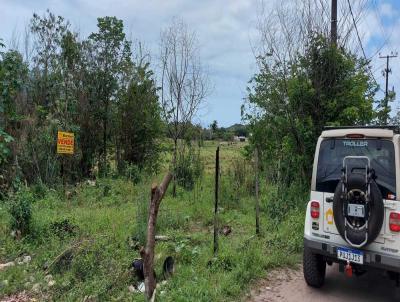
(334, 22)
(386, 72)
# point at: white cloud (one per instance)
(380, 27)
(224, 29)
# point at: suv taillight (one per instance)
(314, 209)
(394, 222)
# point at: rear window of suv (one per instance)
(379, 151)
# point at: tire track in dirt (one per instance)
(289, 285)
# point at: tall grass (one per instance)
(106, 223)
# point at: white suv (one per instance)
(353, 217)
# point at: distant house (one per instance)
(239, 138)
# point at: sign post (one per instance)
(65, 145)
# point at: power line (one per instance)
(378, 68)
(375, 10)
(355, 26)
(386, 37)
(360, 42)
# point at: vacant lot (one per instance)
(81, 246)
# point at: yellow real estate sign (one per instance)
(65, 142)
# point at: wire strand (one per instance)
(360, 42)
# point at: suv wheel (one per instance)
(314, 267)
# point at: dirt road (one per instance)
(289, 285)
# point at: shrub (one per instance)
(170, 219)
(63, 228)
(142, 214)
(39, 190)
(238, 182)
(288, 237)
(185, 252)
(133, 173)
(283, 199)
(85, 264)
(189, 168)
(21, 211)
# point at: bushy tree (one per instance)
(289, 104)
(13, 80)
(139, 121)
(111, 55)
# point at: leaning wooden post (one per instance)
(147, 253)
(216, 201)
(257, 194)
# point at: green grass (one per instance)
(103, 224)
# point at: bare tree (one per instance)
(184, 82)
(285, 26)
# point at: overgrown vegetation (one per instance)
(189, 167)
(96, 88)
(289, 104)
(20, 210)
(88, 242)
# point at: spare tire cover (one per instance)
(375, 214)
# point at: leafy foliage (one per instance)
(20, 210)
(291, 102)
(91, 87)
(139, 122)
(189, 168)
(111, 64)
(4, 150)
(13, 75)
(132, 172)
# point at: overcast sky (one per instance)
(226, 30)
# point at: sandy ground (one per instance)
(289, 285)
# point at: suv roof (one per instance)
(389, 127)
(367, 131)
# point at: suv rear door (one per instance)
(329, 170)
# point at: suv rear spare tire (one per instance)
(374, 210)
(314, 268)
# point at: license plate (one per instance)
(355, 210)
(351, 255)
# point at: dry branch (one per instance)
(74, 247)
(147, 253)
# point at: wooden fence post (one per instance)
(257, 193)
(216, 201)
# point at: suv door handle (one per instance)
(329, 199)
